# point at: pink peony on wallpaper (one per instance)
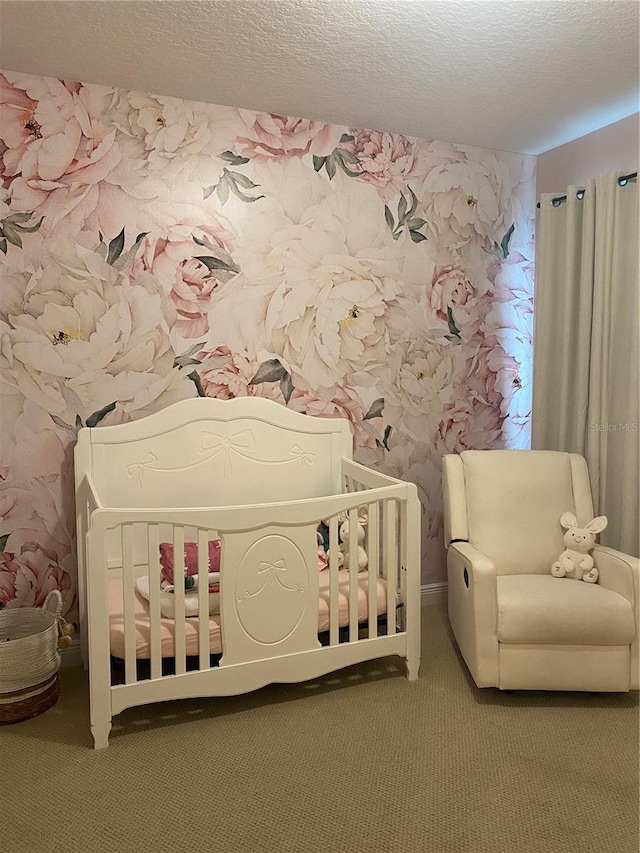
(154, 249)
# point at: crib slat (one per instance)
(153, 553)
(333, 581)
(128, 593)
(403, 564)
(178, 579)
(353, 575)
(391, 561)
(373, 552)
(203, 598)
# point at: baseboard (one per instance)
(71, 656)
(433, 593)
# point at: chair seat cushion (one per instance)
(543, 610)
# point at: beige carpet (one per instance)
(360, 760)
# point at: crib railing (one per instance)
(125, 544)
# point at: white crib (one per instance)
(260, 479)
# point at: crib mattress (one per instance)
(167, 626)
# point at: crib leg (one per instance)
(413, 665)
(100, 731)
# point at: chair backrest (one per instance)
(508, 503)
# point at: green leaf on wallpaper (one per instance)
(187, 359)
(416, 236)
(234, 159)
(79, 423)
(13, 225)
(346, 137)
(218, 253)
(230, 181)
(453, 329)
(415, 224)
(347, 156)
(343, 157)
(504, 245)
(96, 417)
(414, 203)
(243, 197)
(269, 371)
(331, 166)
(127, 257)
(217, 263)
(207, 191)
(385, 438)
(19, 217)
(30, 228)
(223, 191)
(243, 181)
(3, 541)
(286, 386)
(115, 248)
(194, 376)
(402, 209)
(11, 234)
(375, 410)
(389, 218)
(318, 162)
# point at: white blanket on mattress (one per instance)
(168, 599)
(167, 626)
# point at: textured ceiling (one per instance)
(517, 75)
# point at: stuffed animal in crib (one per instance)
(344, 554)
(576, 561)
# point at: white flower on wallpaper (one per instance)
(160, 135)
(320, 281)
(154, 249)
(86, 337)
(418, 386)
(469, 201)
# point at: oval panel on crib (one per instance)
(271, 589)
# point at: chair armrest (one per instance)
(479, 576)
(479, 565)
(473, 610)
(621, 573)
(618, 572)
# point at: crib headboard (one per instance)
(208, 452)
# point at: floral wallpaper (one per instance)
(154, 249)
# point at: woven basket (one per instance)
(29, 659)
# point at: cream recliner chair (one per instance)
(517, 627)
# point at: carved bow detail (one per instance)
(138, 467)
(305, 456)
(272, 568)
(241, 441)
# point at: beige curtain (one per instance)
(586, 378)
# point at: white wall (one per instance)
(615, 147)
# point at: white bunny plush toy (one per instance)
(344, 552)
(576, 561)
